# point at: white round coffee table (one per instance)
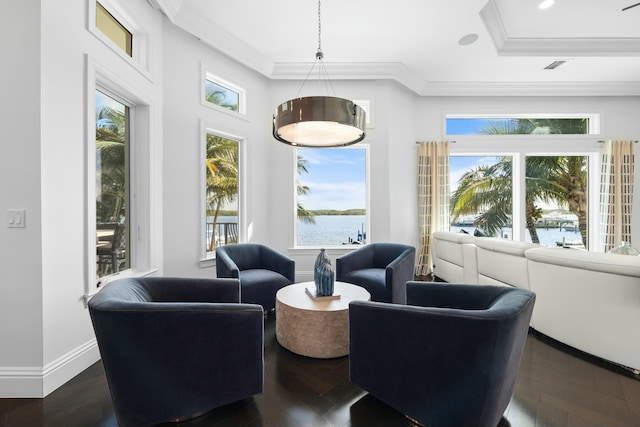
(315, 327)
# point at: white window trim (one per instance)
(207, 128)
(301, 249)
(145, 158)
(365, 104)
(242, 94)
(141, 48)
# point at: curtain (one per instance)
(616, 193)
(433, 198)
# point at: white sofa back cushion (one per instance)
(502, 262)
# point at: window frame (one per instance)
(367, 149)
(519, 147)
(144, 226)
(207, 128)
(141, 44)
(227, 84)
(594, 123)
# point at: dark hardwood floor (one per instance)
(554, 389)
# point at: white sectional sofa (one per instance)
(587, 300)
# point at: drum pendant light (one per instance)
(319, 121)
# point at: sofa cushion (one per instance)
(502, 261)
(626, 265)
(509, 247)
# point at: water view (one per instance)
(548, 236)
(332, 230)
(345, 229)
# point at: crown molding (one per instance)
(548, 46)
(531, 89)
(220, 40)
(351, 71)
(169, 7)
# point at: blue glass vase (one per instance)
(323, 275)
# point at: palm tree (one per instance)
(111, 152)
(218, 97)
(304, 215)
(222, 177)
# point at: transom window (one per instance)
(331, 196)
(224, 94)
(114, 30)
(520, 125)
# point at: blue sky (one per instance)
(465, 126)
(336, 178)
(458, 165)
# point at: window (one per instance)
(481, 195)
(112, 208)
(223, 94)
(114, 30)
(220, 95)
(536, 190)
(557, 197)
(222, 191)
(331, 196)
(520, 125)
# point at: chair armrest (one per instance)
(355, 260)
(278, 262)
(398, 273)
(225, 266)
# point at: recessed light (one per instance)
(545, 4)
(468, 39)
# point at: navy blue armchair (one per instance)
(175, 348)
(383, 269)
(262, 271)
(448, 359)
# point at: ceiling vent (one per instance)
(555, 64)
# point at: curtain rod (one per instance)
(449, 141)
(603, 141)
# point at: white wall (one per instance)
(45, 331)
(20, 188)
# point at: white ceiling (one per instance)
(416, 42)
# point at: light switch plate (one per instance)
(15, 218)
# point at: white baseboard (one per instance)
(37, 382)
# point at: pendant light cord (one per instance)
(319, 54)
(322, 71)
